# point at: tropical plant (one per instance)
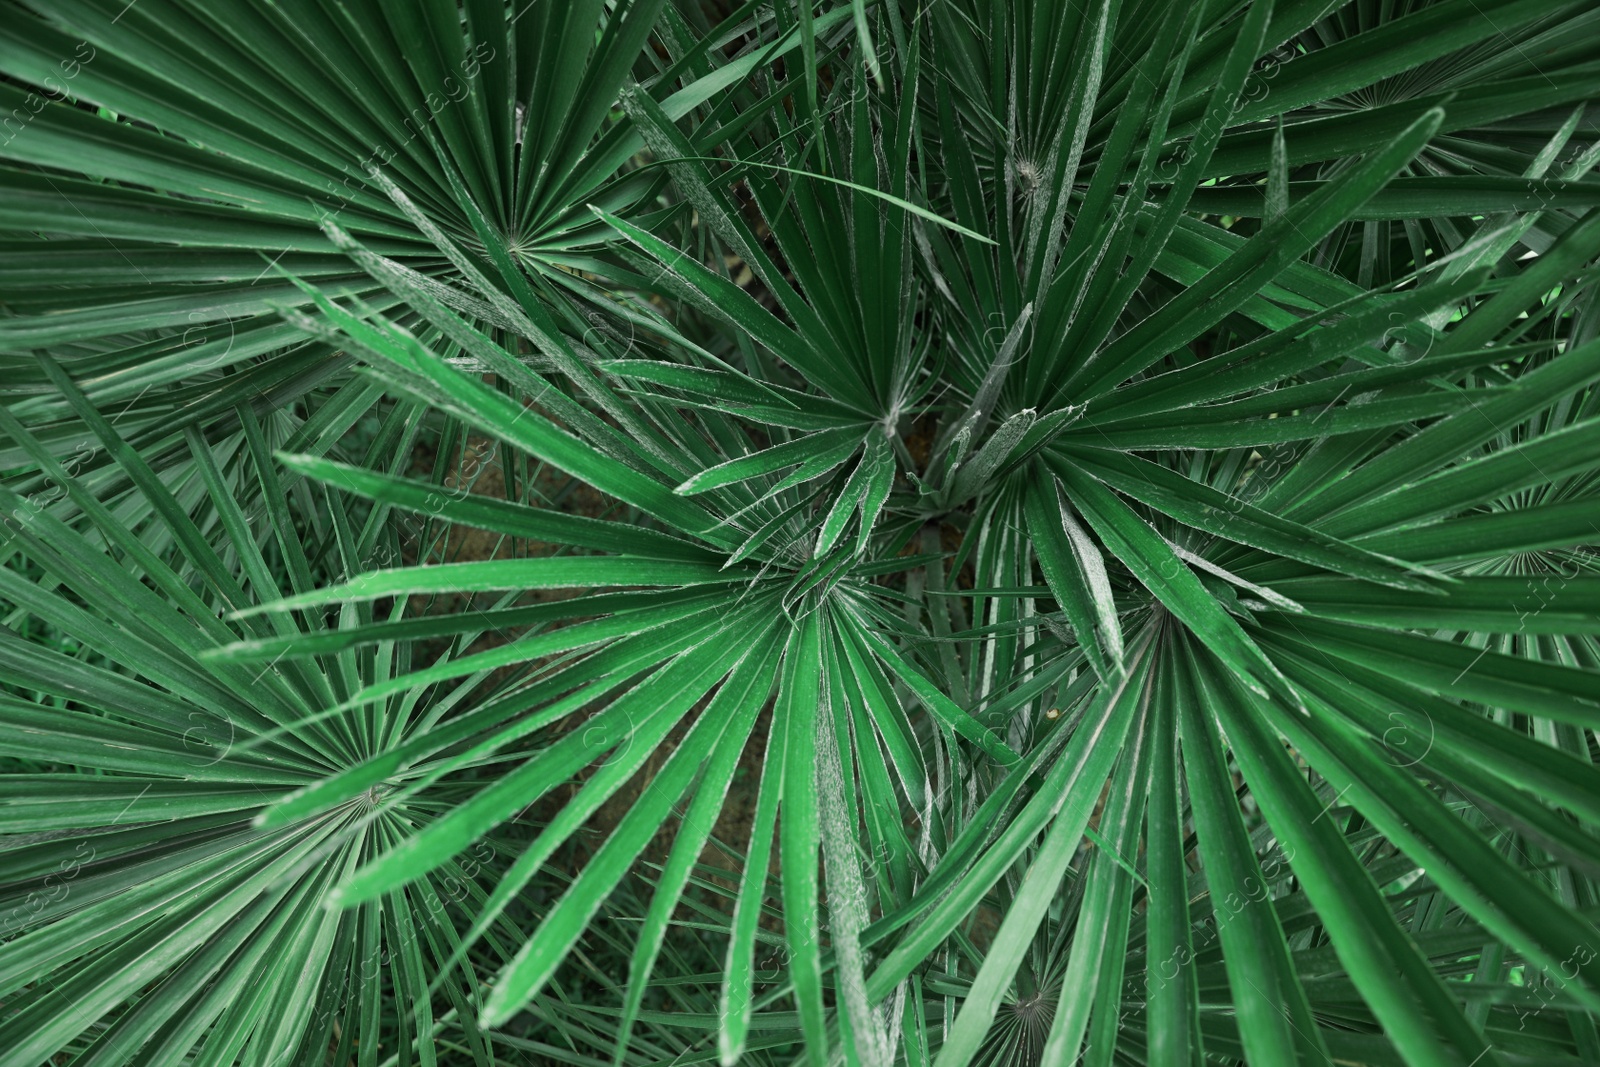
(869, 533)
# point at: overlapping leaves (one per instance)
(1154, 634)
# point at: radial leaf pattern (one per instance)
(1037, 533)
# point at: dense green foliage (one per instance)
(639, 532)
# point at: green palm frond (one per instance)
(149, 909)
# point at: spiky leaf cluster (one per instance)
(1019, 533)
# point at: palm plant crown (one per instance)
(632, 532)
